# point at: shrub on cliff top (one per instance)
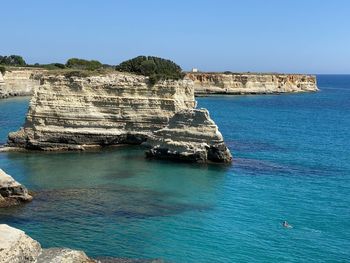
(13, 60)
(153, 67)
(77, 63)
(2, 70)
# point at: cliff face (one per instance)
(191, 136)
(236, 83)
(18, 82)
(21, 82)
(77, 112)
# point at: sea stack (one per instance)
(75, 113)
(11, 192)
(190, 136)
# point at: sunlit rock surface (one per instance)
(251, 83)
(18, 82)
(73, 113)
(191, 136)
(12, 192)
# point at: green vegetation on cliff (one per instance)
(154, 67)
(77, 63)
(2, 70)
(13, 60)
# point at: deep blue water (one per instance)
(291, 162)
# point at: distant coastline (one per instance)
(21, 81)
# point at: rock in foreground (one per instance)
(17, 247)
(190, 136)
(12, 192)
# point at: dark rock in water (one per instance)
(11, 192)
(190, 136)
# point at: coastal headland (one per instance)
(20, 81)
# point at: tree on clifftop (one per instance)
(77, 63)
(154, 67)
(13, 60)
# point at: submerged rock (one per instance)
(12, 192)
(190, 136)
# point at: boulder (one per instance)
(12, 192)
(16, 246)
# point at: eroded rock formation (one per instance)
(12, 192)
(18, 82)
(191, 136)
(249, 83)
(69, 113)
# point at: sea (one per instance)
(291, 162)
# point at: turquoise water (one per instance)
(291, 162)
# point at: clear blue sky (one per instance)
(306, 36)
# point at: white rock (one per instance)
(16, 246)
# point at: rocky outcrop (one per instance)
(190, 136)
(18, 82)
(12, 192)
(249, 83)
(17, 247)
(72, 113)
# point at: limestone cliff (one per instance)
(249, 83)
(192, 136)
(78, 112)
(18, 82)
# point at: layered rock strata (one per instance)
(70, 113)
(249, 83)
(190, 136)
(12, 192)
(18, 82)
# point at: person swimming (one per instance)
(286, 224)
